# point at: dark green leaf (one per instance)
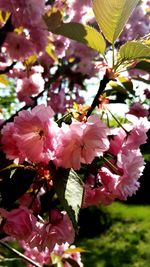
(69, 189)
(143, 65)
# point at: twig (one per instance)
(25, 107)
(102, 86)
(7, 69)
(8, 27)
(19, 254)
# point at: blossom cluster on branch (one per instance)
(58, 154)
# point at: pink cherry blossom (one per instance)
(32, 253)
(117, 139)
(94, 194)
(35, 133)
(29, 86)
(19, 223)
(18, 47)
(81, 142)
(137, 135)
(48, 234)
(130, 166)
(138, 110)
(8, 142)
(32, 135)
(64, 253)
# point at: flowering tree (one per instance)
(58, 154)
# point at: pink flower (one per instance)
(95, 140)
(35, 133)
(9, 145)
(138, 110)
(18, 47)
(32, 135)
(26, 200)
(81, 142)
(95, 194)
(58, 101)
(130, 165)
(48, 234)
(19, 223)
(65, 252)
(117, 139)
(42, 258)
(137, 135)
(30, 86)
(24, 13)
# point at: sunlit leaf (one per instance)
(11, 167)
(112, 16)
(69, 189)
(4, 16)
(31, 60)
(84, 34)
(50, 51)
(134, 50)
(74, 250)
(127, 83)
(4, 80)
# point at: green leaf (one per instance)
(117, 88)
(112, 16)
(82, 33)
(143, 65)
(127, 84)
(69, 189)
(134, 50)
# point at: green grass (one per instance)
(127, 241)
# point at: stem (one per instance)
(110, 165)
(118, 122)
(19, 254)
(59, 121)
(95, 102)
(113, 56)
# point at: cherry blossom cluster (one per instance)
(35, 138)
(62, 135)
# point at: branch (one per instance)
(102, 86)
(7, 69)
(8, 27)
(60, 72)
(19, 254)
(25, 107)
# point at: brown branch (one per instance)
(19, 254)
(8, 27)
(102, 86)
(60, 72)
(8, 68)
(25, 107)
